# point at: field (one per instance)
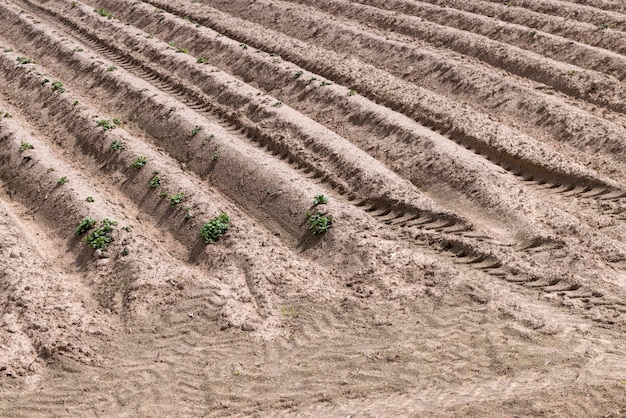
(467, 156)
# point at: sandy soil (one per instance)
(472, 154)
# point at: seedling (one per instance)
(172, 44)
(155, 181)
(127, 228)
(163, 195)
(202, 60)
(139, 162)
(604, 26)
(85, 225)
(57, 86)
(117, 145)
(196, 130)
(99, 238)
(183, 50)
(533, 33)
(215, 155)
(298, 74)
(319, 199)
(125, 252)
(74, 4)
(112, 68)
(106, 124)
(104, 13)
(325, 83)
(244, 46)
(74, 102)
(89, 199)
(25, 60)
(25, 146)
(351, 92)
(318, 222)
(62, 180)
(117, 121)
(176, 199)
(44, 81)
(215, 228)
(77, 50)
(277, 104)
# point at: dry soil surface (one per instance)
(472, 154)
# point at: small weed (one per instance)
(188, 214)
(533, 33)
(25, 60)
(139, 162)
(74, 4)
(319, 199)
(89, 199)
(8, 49)
(277, 104)
(202, 60)
(183, 50)
(57, 86)
(215, 228)
(77, 50)
(163, 195)
(62, 180)
(172, 44)
(99, 238)
(44, 81)
(127, 228)
(604, 26)
(325, 83)
(125, 252)
(117, 121)
(106, 124)
(117, 145)
(186, 18)
(571, 72)
(25, 146)
(85, 225)
(215, 155)
(244, 46)
(50, 170)
(112, 68)
(160, 11)
(298, 74)
(74, 102)
(196, 130)
(312, 79)
(155, 181)
(351, 92)
(176, 199)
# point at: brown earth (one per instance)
(472, 154)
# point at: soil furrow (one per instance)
(404, 97)
(584, 13)
(365, 174)
(585, 33)
(446, 227)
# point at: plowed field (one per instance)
(472, 155)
